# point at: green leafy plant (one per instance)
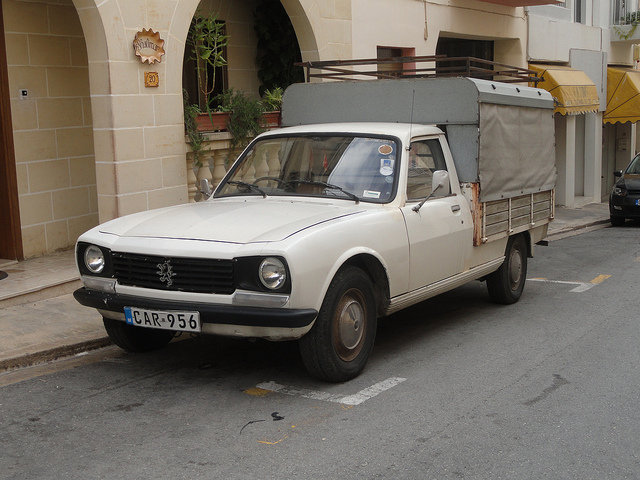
(196, 138)
(631, 18)
(206, 40)
(621, 33)
(278, 48)
(245, 119)
(272, 99)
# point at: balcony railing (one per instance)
(417, 67)
(216, 159)
(626, 19)
(625, 12)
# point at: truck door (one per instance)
(440, 232)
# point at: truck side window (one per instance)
(425, 157)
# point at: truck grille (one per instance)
(199, 275)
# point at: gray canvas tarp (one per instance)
(501, 135)
(517, 151)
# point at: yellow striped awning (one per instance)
(572, 89)
(623, 95)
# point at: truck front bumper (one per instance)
(252, 317)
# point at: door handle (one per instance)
(455, 208)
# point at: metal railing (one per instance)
(625, 12)
(417, 67)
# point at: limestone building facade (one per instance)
(86, 139)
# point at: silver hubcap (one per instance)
(515, 268)
(351, 323)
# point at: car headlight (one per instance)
(94, 259)
(619, 191)
(272, 273)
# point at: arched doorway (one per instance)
(51, 126)
(260, 49)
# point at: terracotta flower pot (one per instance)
(217, 122)
(273, 119)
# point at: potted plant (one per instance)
(272, 101)
(196, 138)
(206, 40)
(245, 116)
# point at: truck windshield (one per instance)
(337, 166)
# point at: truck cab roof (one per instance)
(400, 130)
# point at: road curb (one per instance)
(55, 353)
(576, 229)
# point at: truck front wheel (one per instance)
(339, 344)
(616, 221)
(136, 339)
(505, 285)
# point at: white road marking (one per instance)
(581, 286)
(364, 395)
(360, 397)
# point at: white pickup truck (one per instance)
(379, 195)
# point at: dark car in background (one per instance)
(624, 201)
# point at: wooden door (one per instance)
(10, 236)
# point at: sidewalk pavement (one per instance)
(40, 321)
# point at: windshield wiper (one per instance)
(328, 185)
(250, 186)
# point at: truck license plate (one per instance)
(179, 321)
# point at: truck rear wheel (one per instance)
(506, 284)
(136, 339)
(339, 344)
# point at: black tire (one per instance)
(136, 339)
(506, 284)
(616, 221)
(339, 344)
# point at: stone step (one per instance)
(38, 279)
(41, 292)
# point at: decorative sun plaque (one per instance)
(148, 46)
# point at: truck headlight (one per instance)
(94, 259)
(272, 273)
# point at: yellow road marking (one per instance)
(600, 279)
(257, 392)
(273, 443)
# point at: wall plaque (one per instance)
(148, 46)
(151, 79)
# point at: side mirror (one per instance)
(440, 185)
(205, 188)
(617, 173)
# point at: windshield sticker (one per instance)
(370, 194)
(385, 149)
(386, 166)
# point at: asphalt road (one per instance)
(457, 388)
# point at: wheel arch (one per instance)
(377, 273)
(529, 242)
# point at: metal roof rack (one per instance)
(418, 67)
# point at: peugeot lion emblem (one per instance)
(166, 272)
